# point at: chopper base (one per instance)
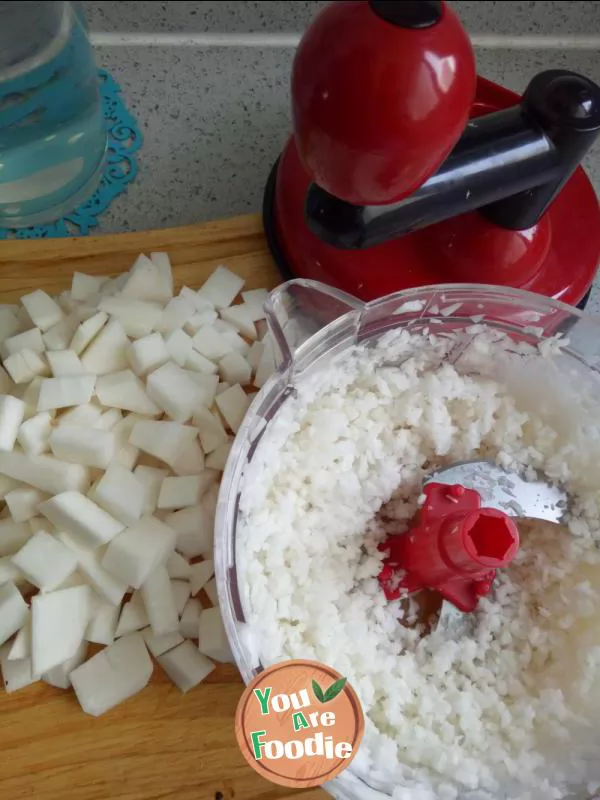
(557, 258)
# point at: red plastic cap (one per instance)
(377, 107)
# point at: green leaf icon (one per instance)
(318, 692)
(334, 690)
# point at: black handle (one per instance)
(511, 164)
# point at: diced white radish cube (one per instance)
(176, 313)
(150, 478)
(10, 573)
(87, 446)
(255, 355)
(79, 516)
(218, 458)
(161, 644)
(138, 317)
(207, 387)
(18, 369)
(38, 524)
(190, 619)
(145, 281)
(194, 533)
(13, 536)
(256, 299)
(21, 645)
(164, 440)
(200, 318)
(58, 623)
(221, 386)
(108, 352)
(180, 492)
(85, 415)
(60, 336)
(175, 391)
(201, 574)
(212, 639)
(181, 594)
(133, 616)
(127, 454)
(136, 552)
(90, 565)
(23, 502)
(211, 590)
(44, 472)
(7, 385)
(266, 365)
(114, 285)
(223, 327)
(45, 562)
(36, 363)
(87, 331)
(185, 666)
(162, 261)
(221, 288)
(28, 340)
(43, 310)
(12, 411)
(64, 362)
(211, 344)
(178, 567)
(211, 432)
(125, 390)
(73, 390)
(191, 460)
(147, 354)
(242, 319)
(159, 602)
(120, 493)
(236, 343)
(196, 362)
(108, 420)
(179, 345)
(13, 611)
(9, 321)
(6, 486)
(103, 624)
(17, 674)
(85, 286)
(233, 404)
(113, 675)
(234, 368)
(59, 676)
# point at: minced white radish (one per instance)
(221, 288)
(120, 493)
(64, 362)
(88, 446)
(124, 390)
(113, 675)
(58, 623)
(147, 354)
(151, 479)
(44, 472)
(180, 492)
(201, 574)
(82, 518)
(193, 529)
(59, 676)
(233, 404)
(23, 502)
(108, 351)
(186, 666)
(103, 624)
(159, 602)
(43, 310)
(134, 554)
(190, 619)
(13, 611)
(45, 562)
(12, 411)
(161, 644)
(212, 639)
(133, 616)
(178, 567)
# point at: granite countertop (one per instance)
(209, 85)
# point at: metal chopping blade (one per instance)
(503, 490)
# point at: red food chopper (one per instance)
(408, 169)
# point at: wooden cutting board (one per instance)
(160, 744)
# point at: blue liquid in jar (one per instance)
(52, 130)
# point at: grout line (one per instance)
(483, 41)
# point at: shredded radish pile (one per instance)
(118, 406)
(510, 710)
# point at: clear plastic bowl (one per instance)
(312, 323)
